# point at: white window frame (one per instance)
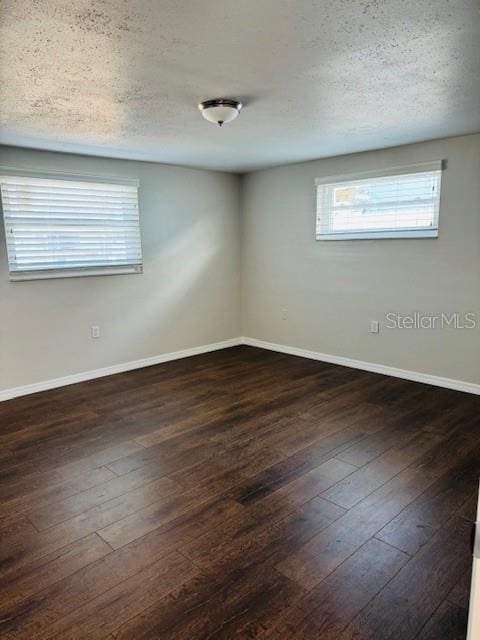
(321, 230)
(70, 272)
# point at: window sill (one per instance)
(379, 235)
(21, 276)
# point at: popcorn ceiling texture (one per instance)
(319, 78)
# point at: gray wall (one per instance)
(189, 293)
(187, 296)
(333, 289)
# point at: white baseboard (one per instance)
(448, 383)
(14, 392)
(416, 376)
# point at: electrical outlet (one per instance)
(284, 313)
(374, 326)
(95, 331)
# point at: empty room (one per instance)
(240, 320)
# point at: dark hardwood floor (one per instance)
(236, 495)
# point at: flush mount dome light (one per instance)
(220, 110)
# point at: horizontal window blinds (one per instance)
(63, 226)
(383, 206)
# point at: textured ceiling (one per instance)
(319, 77)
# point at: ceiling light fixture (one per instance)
(220, 110)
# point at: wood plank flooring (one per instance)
(239, 494)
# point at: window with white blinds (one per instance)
(396, 203)
(61, 228)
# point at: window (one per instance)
(60, 228)
(398, 203)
